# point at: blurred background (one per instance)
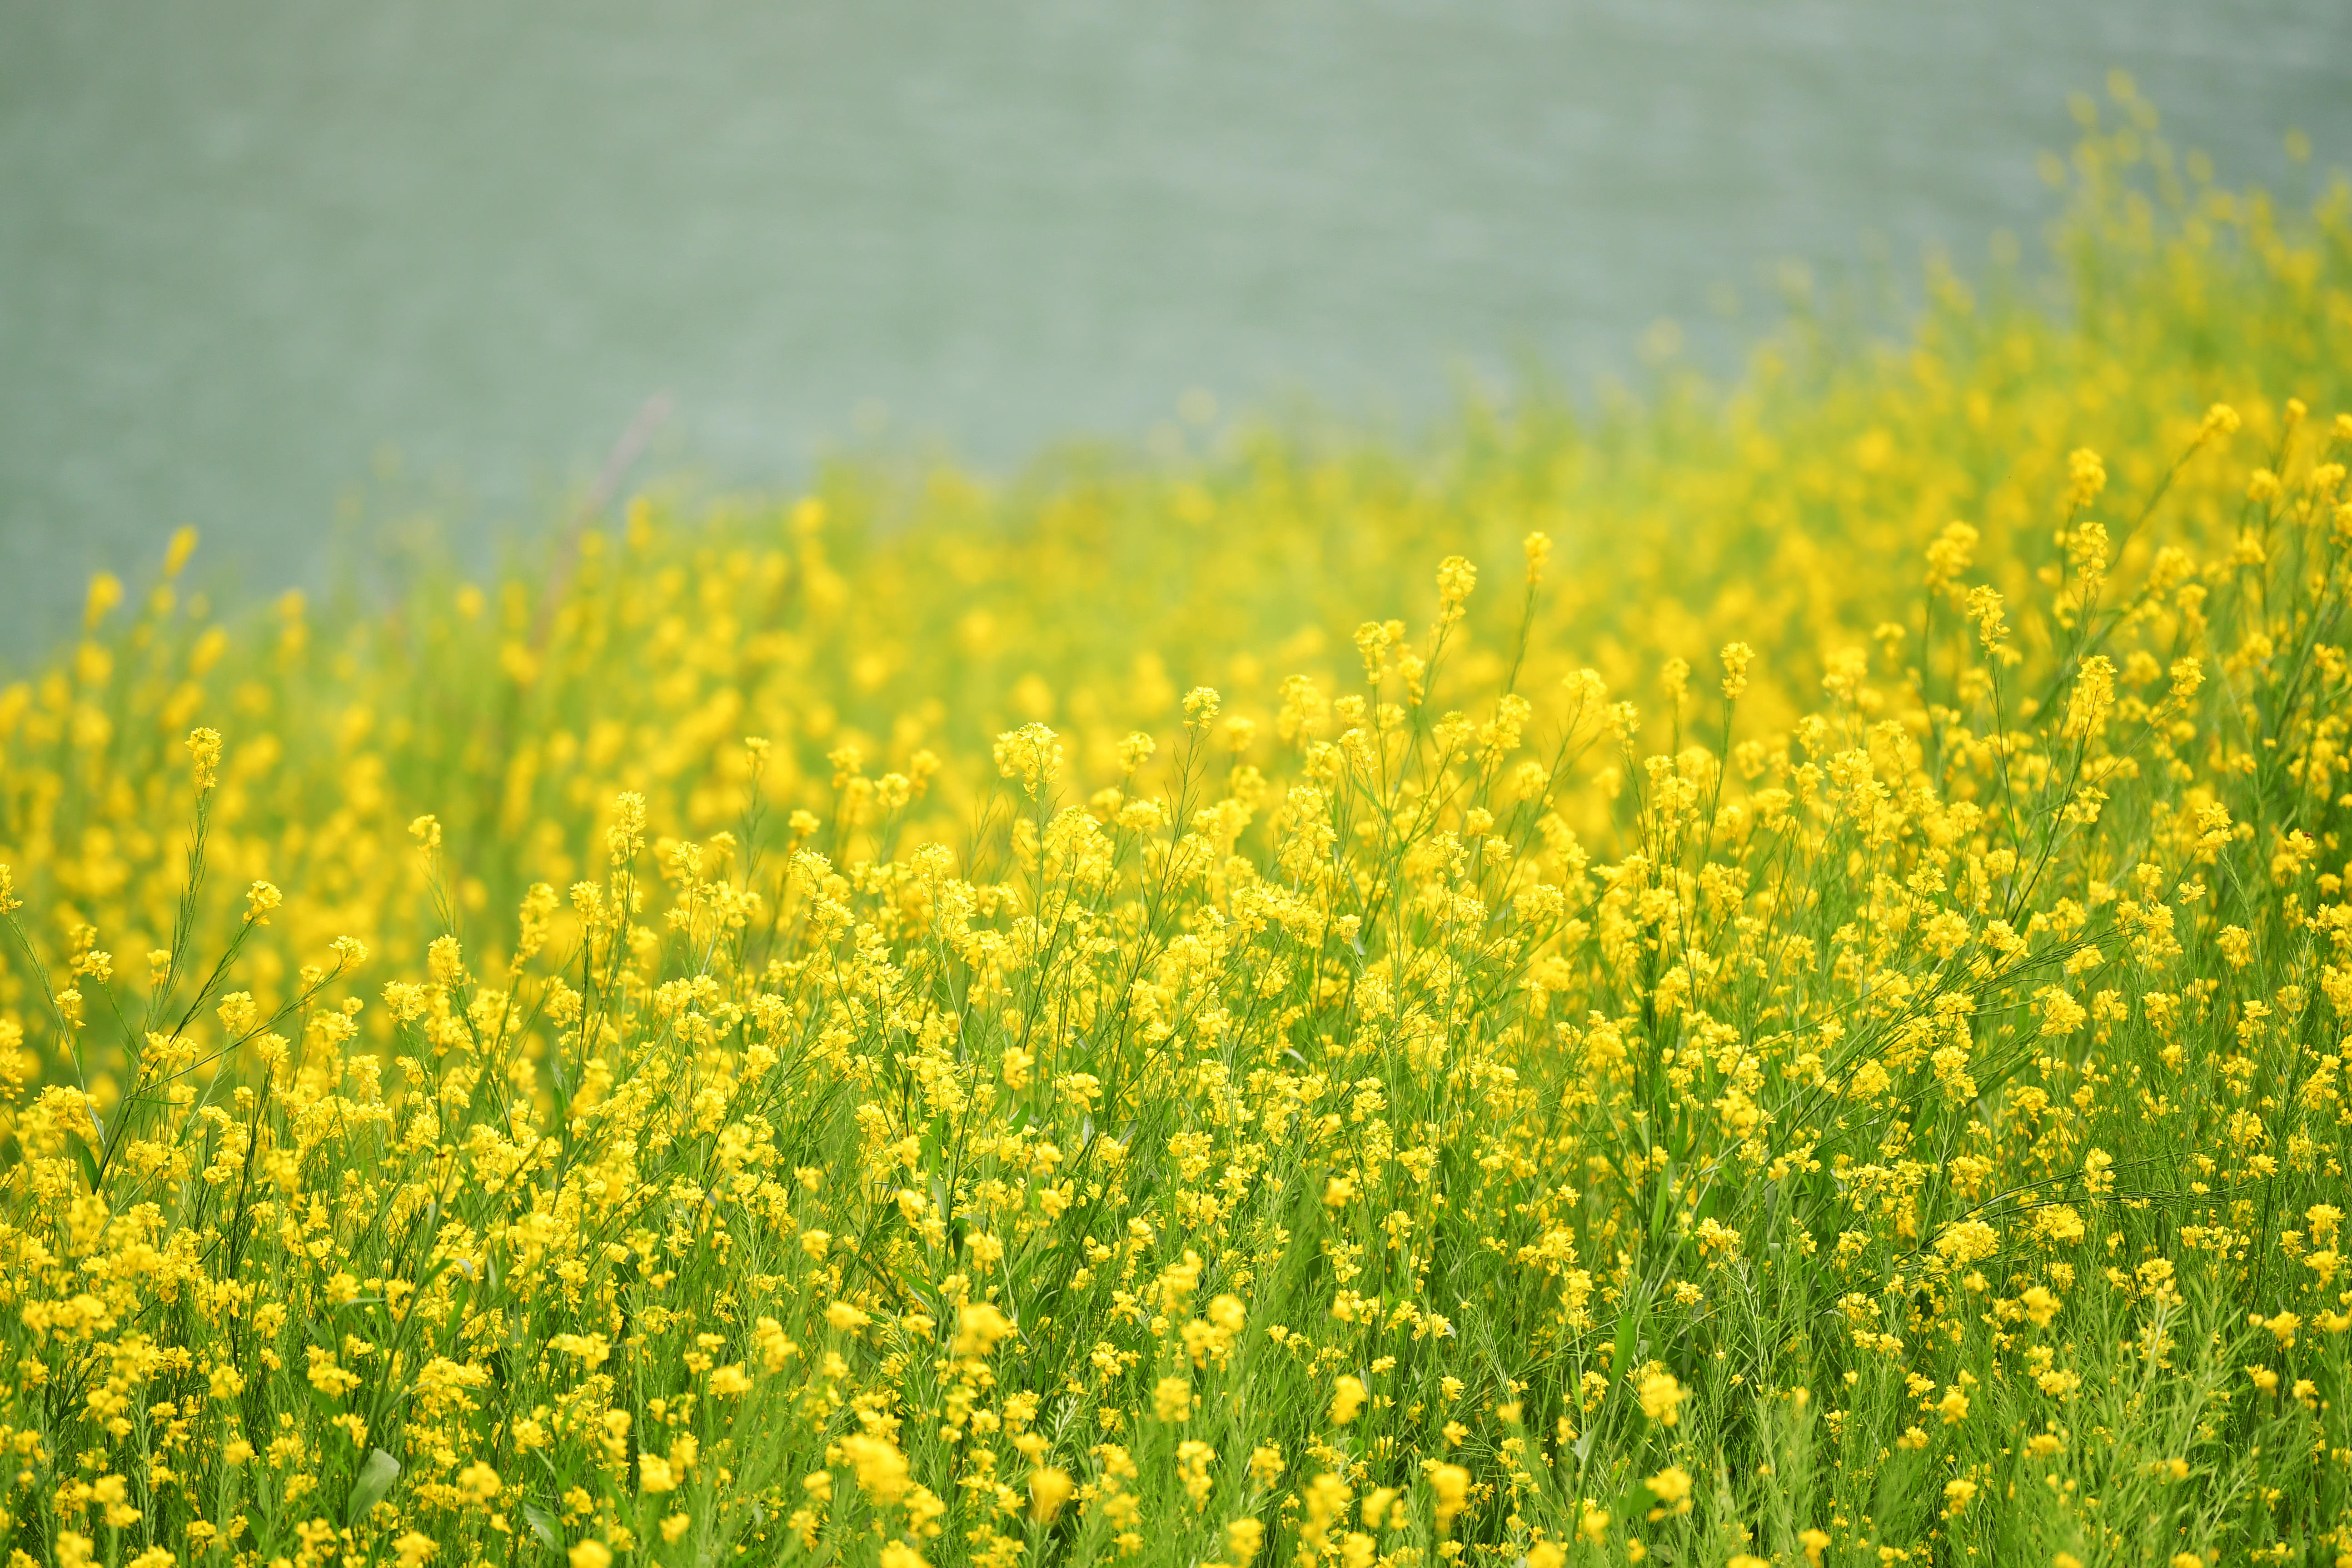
(266, 262)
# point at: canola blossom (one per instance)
(1783, 999)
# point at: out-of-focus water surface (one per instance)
(249, 248)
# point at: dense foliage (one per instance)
(939, 1024)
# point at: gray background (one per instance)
(250, 249)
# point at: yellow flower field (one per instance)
(1746, 977)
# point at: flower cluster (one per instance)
(1041, 1035)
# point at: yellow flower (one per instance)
(1031, 756)
(1455, 578)
(1737, 657)
(979, 1328)
(204, 748)
(1193, 1459)
(1660, 1392)
(1985, 610)
(1450, 1485)
(2086, 476)
(1049, 1488)
(709, 1041)
(1951, 554)
(881, 1469)
(328, 1378)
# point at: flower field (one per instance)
(1742, 977)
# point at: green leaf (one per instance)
(374, 1485)
(543, 1525)
(1629, 1323)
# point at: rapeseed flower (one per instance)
(798, 1039)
